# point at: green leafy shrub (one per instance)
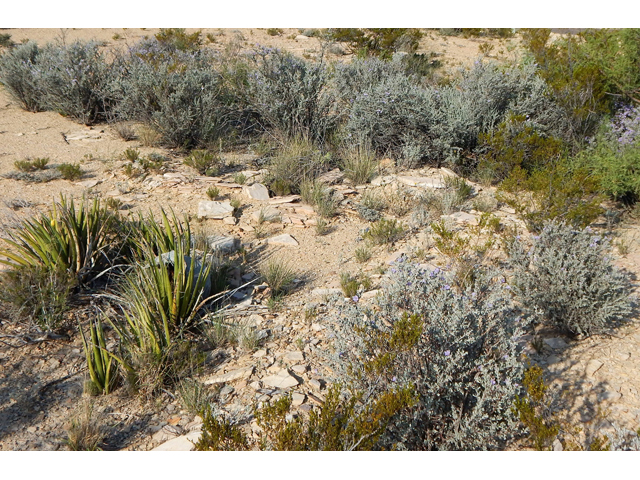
(70, 171)
(31, 165)
(291, 95)
(204, 161)
(213, 193)
(193, 396)
(349, 285)
(384, 231)
(5, 40)
(37, 293)
(274, 32)
(179, 39)
(219, 434)
(382, 42)
(567, 279)
(457, 350)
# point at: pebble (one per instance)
(315, 384)
(294, 356)
(298, 399)
(257, 191)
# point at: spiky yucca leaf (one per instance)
(102, 369)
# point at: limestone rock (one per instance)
(184, 443)
(224, 244)
(214, 210)
(321, 292)
(294, 356)
(555, 343)
(464, 218)
(230, 376)
(257, 191)
(282, 379)
(281, 200)
(334, 176)
(593, 366)
(298, 399)
(284, 239)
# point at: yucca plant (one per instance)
(76, 240)
(161, 237)
(102, 368)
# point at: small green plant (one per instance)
(154, 162)
(278, 274)
(218, 434)
(274, 32)
(31, 165)
(103, 369)
(213, 193)
(70, 171)
(362, 254)
(359, 165)
(205, 162)
(384, 231)
(131, 154)
(321, 226)
(349, 285)
(317, 194)
(235, 203)
(179, 39)
(116, 36)
(240, 178)
(148, 136)
(372, 200)
(193, 396)
(5, 40)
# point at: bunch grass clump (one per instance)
(567, 279)
(279, 275)
(384, 231)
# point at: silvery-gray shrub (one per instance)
(19, 73)
(465, 367)
(73, 80)
(362, 74)
(292, 95)
(567, 279)
(179, 94)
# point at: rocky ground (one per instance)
(41, 379)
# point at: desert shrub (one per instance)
(279, 275)
(84, 432)
(78, 240)
(349, 284)
(295, 162)
(291, 95)
(567, 279)
(193, 395)
(177, 94)
(218, 434)
(274, 32)
(359, 164)
(362, 254)
(384, 231)
(368, 214)
(39, 176)
(213, 193)
(561, 190)
(37, 293)
(320, 196)
(70, 171)
(373, 200)
(204, 161)
(457, 349)
(5, 40)
(19, 73)
(362, 74)
(516, 143)
(179, 39)
(380, 42)
(31, 165)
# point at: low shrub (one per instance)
(204, 161)
(384, 231)
(320, 196)
(359, 165)
(31, 165)
(567, 279)
(456, 349)
(19, 75)
(70, 171)
(380, 42)
(179, 39)
(38, 294)
(84, 432)
(295, 162)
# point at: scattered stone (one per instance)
(331, 177)
(315, 384)
(245, 372)
(260, 353)
(424, 182)
(281, 200)
(592, 367)
(306, 407)
(229, 221)
(282, 379)
(294, 356)
(299, 369)
(184, 443)
(284, 239)
(320, 292)
(257, 191)
(555, 343)
(395, 256)
(255, 385)
(304, 210)
(167, 432)
(267, 214)
(298, 399)
(223, 244)
(89, 183)
(382, 180)
(463, 218)
(246, 227)
(557, 445)
(226, 390)
(214, 210)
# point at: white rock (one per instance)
(424, 182)
(260, 353)
(315, 384)
(294, 356)
(284, 239)
(184, 443)
(257, 191)
(464, 218)
(214, 210)
(331, 177)
(268, 214)
(230, 376)
(281, 200)
(229, 221)
(282, 379)
(383, 180)
(297, 399)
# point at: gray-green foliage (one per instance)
(462, 362)
(567, 279)
(18, 73)
(292, 95)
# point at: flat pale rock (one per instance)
(222, 243)
(90, 135)
(284, 239)
(268, 214)
(214, 210)
(593, 366)
(304, 210)
(383, 180)
(315, 384)
(334, 176)
(299, 369)
(229, 221)
(246, 227)
(231, 376)
(228, 185)
(257, 191)
(282, 379)
(298, 399)
(424, 182)
(464, 218)
(294, 356)
(260, 353)
(281, 200)
(320, 292)
(369, 295)
(183, 443)
(89, 183)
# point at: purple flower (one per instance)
(447, 287)
(355, 298)
(447, 353)
(493, 382)
(394, 379)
